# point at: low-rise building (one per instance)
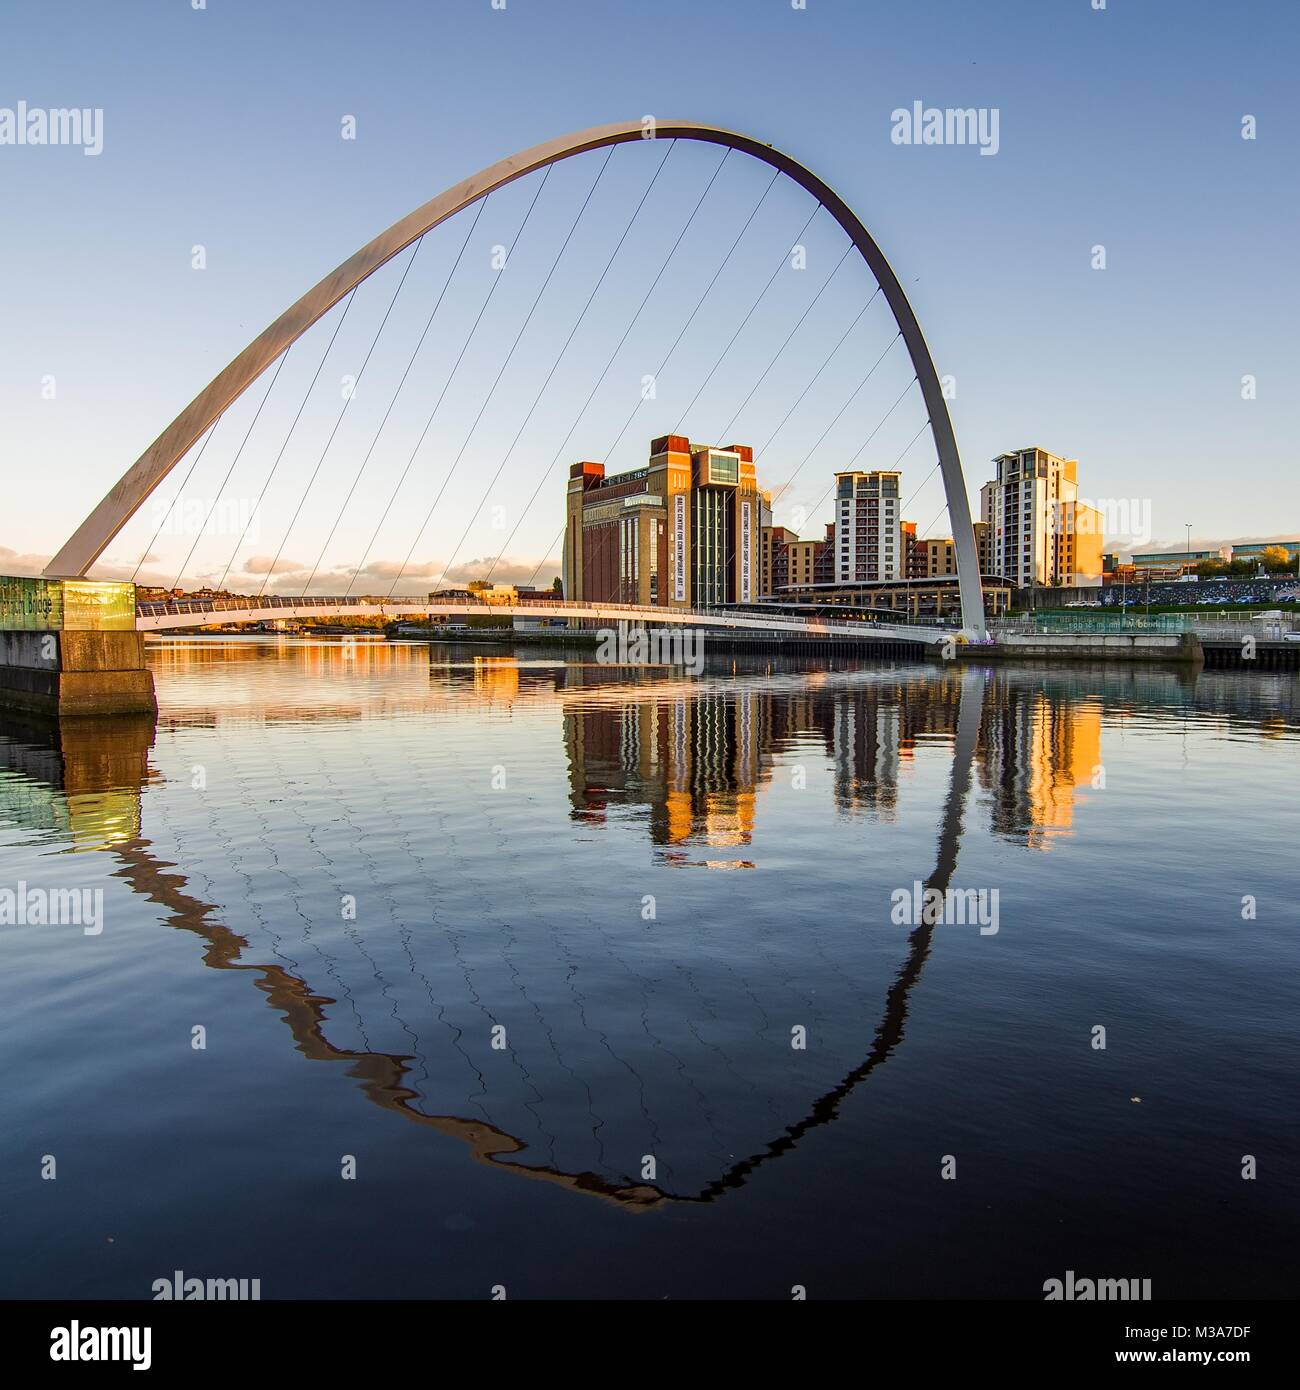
(1177, 560)
(1254, 550)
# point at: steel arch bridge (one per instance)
(135, 486)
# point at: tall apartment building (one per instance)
(684, 530)
(1039, 530)
(868, 527)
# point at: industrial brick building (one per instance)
(681, 532)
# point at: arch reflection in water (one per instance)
(625, 1038)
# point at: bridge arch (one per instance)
(130, 492)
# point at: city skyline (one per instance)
(180, 513)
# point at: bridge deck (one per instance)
(154, 617)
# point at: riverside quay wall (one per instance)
(1182, 647)
(70, 647)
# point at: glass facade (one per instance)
(711, 545)
(629, 567)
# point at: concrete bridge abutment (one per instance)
(70, 648)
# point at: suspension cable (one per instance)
(393, 496)
(428, 424)
(144, 555)
(726, 429)
(333, 432)
(609, 361)
(776, 173)
(781, 264)
(555, 366)
(275, 376)
(895, 464)
(816, 376)
(301, 407)
(725, 260)
(785, 487)
(350, 398)
(559, 255)
(883, 418)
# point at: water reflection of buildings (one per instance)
(695, 762)
(698, 760)
(698, 763)
(696, 755)
(1038, 757)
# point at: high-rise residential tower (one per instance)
(868, 527)
(1040, 532)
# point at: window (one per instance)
(723, 468)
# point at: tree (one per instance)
(1276, 559)
(477, 586)
(557, 585)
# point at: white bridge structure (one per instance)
(125, 498)
(183, 613)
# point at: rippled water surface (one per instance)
(606, 981)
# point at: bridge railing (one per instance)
(1222, 625)
(276, 602)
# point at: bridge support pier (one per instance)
(69, 647)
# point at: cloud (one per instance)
(503, 571)
(11, 562)
(1164, 547)
(288, 576)
(268, 564)
(412, 569)
(416, 576)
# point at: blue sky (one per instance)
(1119, 127)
